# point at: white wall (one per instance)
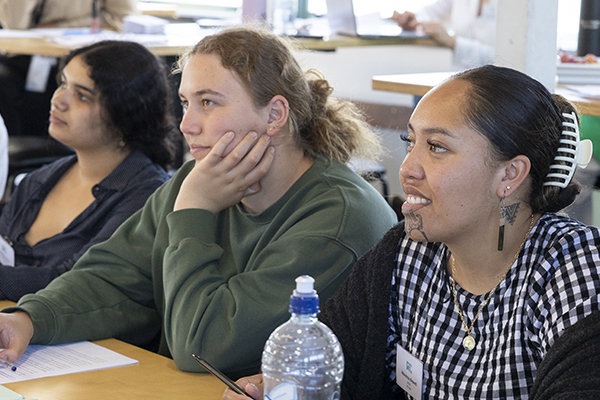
(349, 71)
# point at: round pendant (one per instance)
(469, 342)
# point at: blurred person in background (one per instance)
(3, 156)
(468, 27)
(26, 83)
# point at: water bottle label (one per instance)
(409, 373)
(284, 391)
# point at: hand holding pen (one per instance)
(8, 365)
(253, 386)
(234, 391)
(16, 331)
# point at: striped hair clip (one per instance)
(571, 153)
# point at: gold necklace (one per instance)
(468, 341)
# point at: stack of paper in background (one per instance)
(575, 73)
(587, 91)
(144, 24)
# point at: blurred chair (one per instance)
(27, 153)
(396, 204)
(589, 178)
(372, 172)
(3, 156)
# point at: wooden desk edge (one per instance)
(44, 47)
(32, 46)
(414, 89)
(584, 106)
(403, 83)
(154, 373)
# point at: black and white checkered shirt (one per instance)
(554, 282)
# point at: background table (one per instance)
(155, 377)
(175, 45)
(419, 84)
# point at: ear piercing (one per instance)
(276, 126)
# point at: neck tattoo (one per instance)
(469, 341)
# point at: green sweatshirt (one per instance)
(217, 284)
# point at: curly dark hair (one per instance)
(134, 94)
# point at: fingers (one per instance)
(254, 188)
(412, 25)
(396, 17)
(438, 33)
(250, 159)
(231, 395)
(13, 353)
(259, 171)
(429, 28)
(232, 172)
(219, 150)
(250, 150)
(16, 330)
(253, 385)
(406, 20)
(255, 391)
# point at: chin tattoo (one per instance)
(414, 222)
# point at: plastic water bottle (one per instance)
(303, 359)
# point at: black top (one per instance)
(117, 196)
(571, 368)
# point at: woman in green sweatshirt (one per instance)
(208, 264)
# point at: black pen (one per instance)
(8, 365)
(231, 384)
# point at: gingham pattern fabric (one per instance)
(554, 283)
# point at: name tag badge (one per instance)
(7, 253)
(409, 373)
(38, 73)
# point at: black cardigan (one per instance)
(358, 315)
(571, 368)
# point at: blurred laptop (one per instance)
(344, 20)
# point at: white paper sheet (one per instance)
(587, 91)
(17, 33)
(43, 361)
(85, 38)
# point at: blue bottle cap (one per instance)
(304, 300)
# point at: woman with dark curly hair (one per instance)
(111, 107)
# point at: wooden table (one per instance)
(155, 377)
(176, 46)
(419, 84)
(43, 47)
